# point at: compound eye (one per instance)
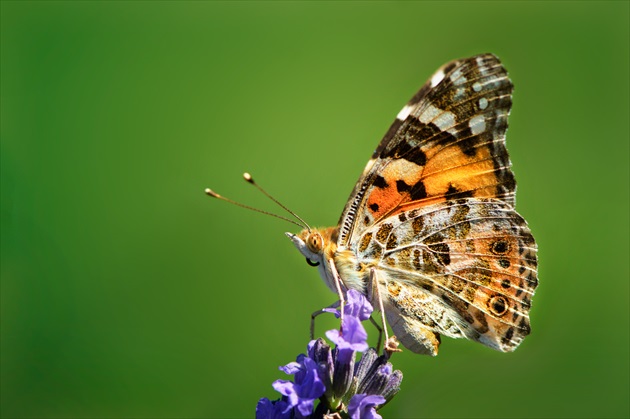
(311, 263)
(314, 242)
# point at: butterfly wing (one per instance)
(433, 214)
(462, 269)
(447, 142)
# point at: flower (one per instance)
(307, 387)
(267, 409)
(332, 376)
(363, 406)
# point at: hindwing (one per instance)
(462, 269)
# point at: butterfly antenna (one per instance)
(213, 194)
(249, 179)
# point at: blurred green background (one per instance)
(126, 292)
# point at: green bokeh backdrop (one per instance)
(126, 292)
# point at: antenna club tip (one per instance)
(212, 193)
(248, 177)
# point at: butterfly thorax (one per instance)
(319, 246)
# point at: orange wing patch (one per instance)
(451, 171)
(392, 187)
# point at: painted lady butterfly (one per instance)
(429, 232)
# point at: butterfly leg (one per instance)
(380, 332)
(330, 309)
(374, 295)
(342, 300)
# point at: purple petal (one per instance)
(288, 389)
(266, 409)
(302, 371)
(311, 386)
(354, 333)
(307, 386)
(305, 407)
(357, 305)
(334, 311)
(363, 406)
(354, 336)
(385, 369)
(333, 308)
(291, 368)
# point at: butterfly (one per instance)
(429, 233)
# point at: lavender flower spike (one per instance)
(328, 382)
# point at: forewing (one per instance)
(466, 268)
(447, 142)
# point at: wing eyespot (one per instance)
(498, 305)
(311, 263)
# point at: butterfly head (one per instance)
(311, 244)
(318, 246)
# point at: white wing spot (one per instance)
(429, 114)
(442, 119)
(459, 81)
(477, 86)
(477, 124)
(404, 112)
(483, 103)
(457, 78)
(482, 68)
(437, 78)
(445, 121)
